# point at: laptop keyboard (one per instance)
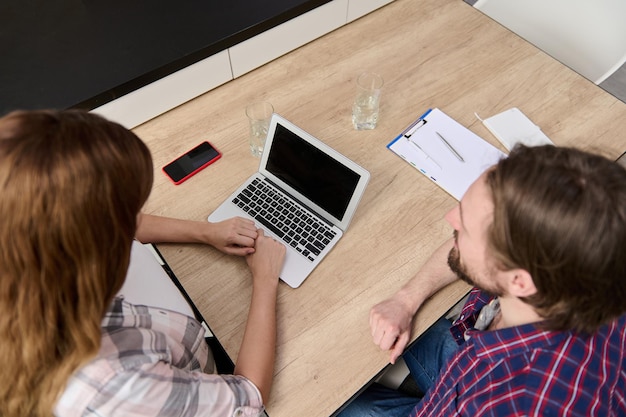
(285, 218)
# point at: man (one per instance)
(542, 237)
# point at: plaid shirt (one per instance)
(150, 364)
(525, 371)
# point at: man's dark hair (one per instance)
(560, 214)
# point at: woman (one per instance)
(72, 186)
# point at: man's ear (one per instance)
(520, 283)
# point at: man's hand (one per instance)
(391, 321)
(390, 324)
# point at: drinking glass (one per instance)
(366, 104)
(259, 115)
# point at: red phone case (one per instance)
(196, 170)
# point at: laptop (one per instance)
(304, 194)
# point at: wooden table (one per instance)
(431, 53)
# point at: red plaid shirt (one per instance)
(525, 371)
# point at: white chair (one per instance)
(588, 36)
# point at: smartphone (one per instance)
(189, 164)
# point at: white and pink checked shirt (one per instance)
(151, 363)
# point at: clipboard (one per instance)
(445, 152)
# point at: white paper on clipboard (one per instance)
(435, 160)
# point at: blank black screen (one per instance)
(311, 172)
(191, 161)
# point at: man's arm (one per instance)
(391, 320)
(234, 236)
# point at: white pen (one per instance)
(425, 153)
(450, 147)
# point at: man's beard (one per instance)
(454, 262)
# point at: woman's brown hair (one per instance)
(560, 214)
(72, 184)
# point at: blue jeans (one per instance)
(424, 359)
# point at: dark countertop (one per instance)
(85, 53)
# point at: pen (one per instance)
(450, 147)
(424, 152)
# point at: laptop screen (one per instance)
(314, 174)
